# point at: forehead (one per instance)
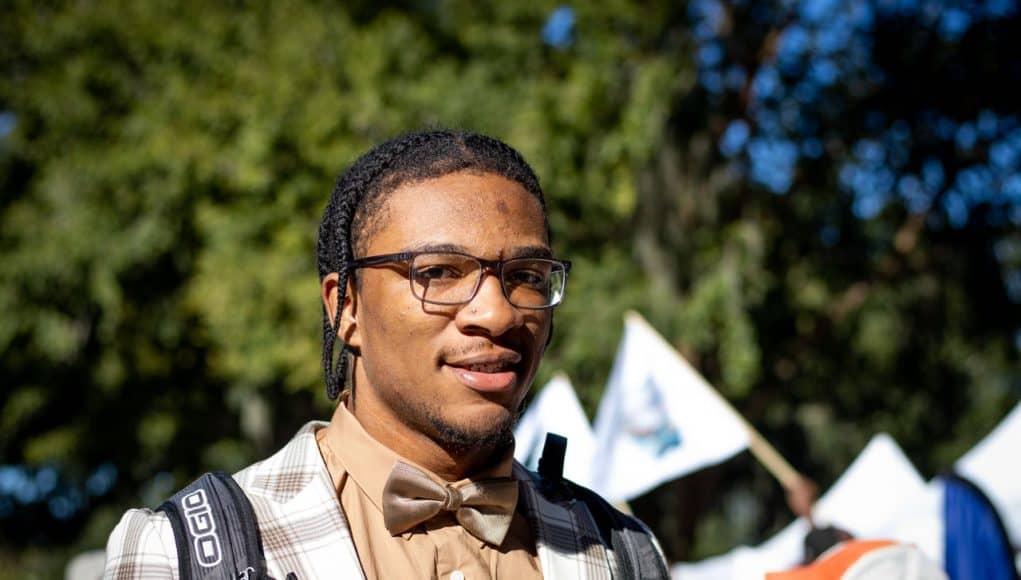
(485, 214)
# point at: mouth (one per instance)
(487, 373)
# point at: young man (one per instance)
(438, 282)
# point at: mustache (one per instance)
(478, 347)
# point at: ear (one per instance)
(328, 293)
(348, 331)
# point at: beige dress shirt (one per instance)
(439, 548)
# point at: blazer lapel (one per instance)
(301, 522)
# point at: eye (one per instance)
(528, 277)
(437, 272)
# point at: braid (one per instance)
(355, 207)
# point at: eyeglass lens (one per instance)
(441, 278)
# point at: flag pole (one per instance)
(763, 451)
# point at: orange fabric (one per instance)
(832, 565)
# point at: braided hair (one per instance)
(356, 209)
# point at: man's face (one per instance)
(456, 374)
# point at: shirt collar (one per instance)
(368, 462)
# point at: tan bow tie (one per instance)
(484, 508)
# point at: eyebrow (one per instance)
(520, 252)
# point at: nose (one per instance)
(489, 312)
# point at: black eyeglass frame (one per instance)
(495, 266)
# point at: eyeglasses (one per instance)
(449, 278)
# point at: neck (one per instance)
(449, 462)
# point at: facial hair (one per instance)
(459, 441)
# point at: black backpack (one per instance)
(216, 532)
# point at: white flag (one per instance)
(556, 410)
(659, 419)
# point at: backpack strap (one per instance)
(638, 556)
(551, 462)
(216, 531)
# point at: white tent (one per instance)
(867, 500)
(995, 466)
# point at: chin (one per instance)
(494, 433)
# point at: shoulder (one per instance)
(287, 472)
(141, 546)
(566, 493)
(573, 518)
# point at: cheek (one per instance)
(542, 330)
(388, 325)
(381, 314)
(545, 327)
(398, 327)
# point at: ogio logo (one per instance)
(202, 528)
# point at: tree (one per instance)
(164, 170)
(840, 191)
(794, 194)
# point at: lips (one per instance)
(486, 367)
(488, 372)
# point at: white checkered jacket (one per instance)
(304, 530)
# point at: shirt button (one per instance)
(457, 575)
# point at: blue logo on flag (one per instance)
(647, 420)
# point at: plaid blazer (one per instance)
(304, 530)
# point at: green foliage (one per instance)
(163, 182)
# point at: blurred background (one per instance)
(817, 202)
